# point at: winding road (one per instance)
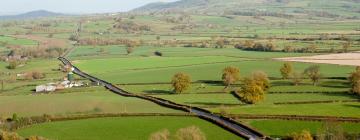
(224, 122)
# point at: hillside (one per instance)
(319, 8)
(31, 15)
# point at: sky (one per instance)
(72, 6)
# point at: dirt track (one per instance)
(350, 59)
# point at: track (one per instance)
(224, 122)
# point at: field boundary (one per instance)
(295, 117)
(316, 102)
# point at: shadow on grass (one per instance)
(335, 84)
(281, 83)
(213, 104)
(355, 106)
(158, 91)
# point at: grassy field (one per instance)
(278, 128)
(17, 41)
(79, 101)
(215, 103)
(119, 128)
(147, 73)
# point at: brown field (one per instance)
(351, 59)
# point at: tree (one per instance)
(346, 46)
(181, 82)
(250, 91)
(190, 133)
(354, 80)
(313, 72)
(230, 75)
(270, 46)
(304, 135)
(286, 70)
(160, 135)
(261, 79)
(13, 64)
(311, 48)
(220, 43)
(129, 50)
(331, 131)
(296, 78)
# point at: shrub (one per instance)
(190, 133)
(160, 135)
(181, 82)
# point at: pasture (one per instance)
(118, 128)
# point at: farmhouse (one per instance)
(51, 87)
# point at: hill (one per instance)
(31, 15)
(319, 8)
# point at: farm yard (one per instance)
(275, 73)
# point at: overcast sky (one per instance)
(72, 6)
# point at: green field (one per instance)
(119, 128)
(278, 128)
(79, 101)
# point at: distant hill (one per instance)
(324, 8)
(31, 15)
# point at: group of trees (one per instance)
(328, 131)
(252, 89)
(107, 42)
(130, 26)
(37, 52)
(250, 45)
(187, 133)
(14, 136)
(312, 72)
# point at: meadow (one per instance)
(118, 128)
